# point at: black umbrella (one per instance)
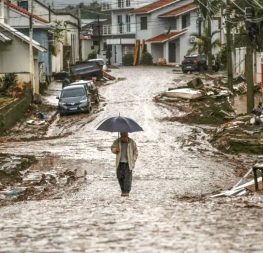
(119, 124)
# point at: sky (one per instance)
(64, 3)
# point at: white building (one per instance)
(165, 26)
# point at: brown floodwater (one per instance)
(240, 102)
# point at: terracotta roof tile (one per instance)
(179, 10)
(15, 7)
(153, 6)
(163, 37)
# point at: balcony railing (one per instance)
(121, 29)
(119, 4)
(106, 29)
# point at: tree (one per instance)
(208, 9)
(108, 55)
(202, 42)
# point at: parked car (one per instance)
(198, 63)
(75, 98)
(101, 63)
(91, 87)
(194, 63)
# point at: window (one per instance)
(185, 20)
(23, 5)
(128, 23)
(120, 3)
(143, 23)
(128, 3)
(120, 24)
(95, 43)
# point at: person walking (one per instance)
(126, 152)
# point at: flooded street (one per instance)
(170, 208)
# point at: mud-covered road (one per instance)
(169, 208)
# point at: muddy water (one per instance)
(240, 102)
(175, 163)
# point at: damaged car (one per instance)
(75, 98)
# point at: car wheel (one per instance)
(89, 108)
(185, 71)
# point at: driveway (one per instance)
(170, 208)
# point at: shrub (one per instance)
(92, 55)
(127, 59)
(146, 59)
(108, 55)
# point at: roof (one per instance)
(153, 6)
(23, 37)
(179, 10)
(4, 38)
(15, 7)
(164, 37)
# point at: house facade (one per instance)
(15, 54)
(19, 18)
(162, 27)
(65, 49)
(120, 35)
(92, 38)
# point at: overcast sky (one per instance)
(64, 3)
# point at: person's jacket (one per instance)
(132, 152)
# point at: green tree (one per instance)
(108, 55)
(202, 42)
(208, 9)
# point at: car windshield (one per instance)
(78, 92)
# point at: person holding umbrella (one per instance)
(126, 152)
(124, 147)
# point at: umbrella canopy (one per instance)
(119, 124)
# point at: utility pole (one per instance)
(79, 29)
(252, 33)
(31, 60)
(99, 33)
(8, 12)
(209, 46)
(199, 21)
(2, 19)
(229, 49)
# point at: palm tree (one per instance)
(203, 41)
(208, 9)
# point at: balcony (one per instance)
(106, 30)
(118, 5)
(121, 29)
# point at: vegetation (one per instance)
(8, 80)
(92, 55)
(127, 59)
(108, 55)
(146, 59)
(202, 42)
(58, 36)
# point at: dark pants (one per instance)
(124, 175)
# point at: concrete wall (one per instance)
(11, 113)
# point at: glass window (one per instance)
(185, 20)
(23, 4)
(143, 23)
(120, 3)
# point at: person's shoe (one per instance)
(125, 194)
